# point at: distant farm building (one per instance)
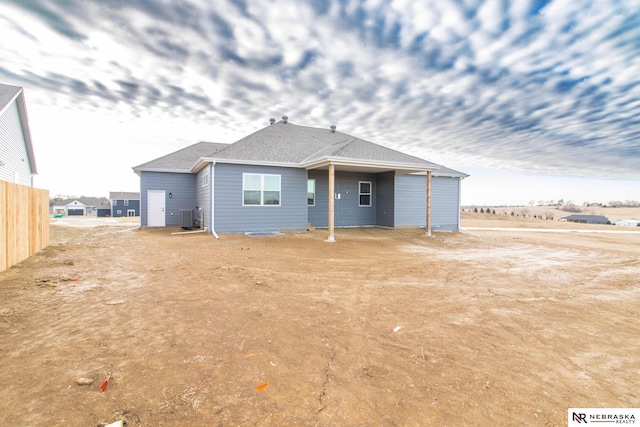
(587, 219)
(628, 223)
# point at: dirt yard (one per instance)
(382, 327)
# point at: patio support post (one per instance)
(331, 237)
(428, 224)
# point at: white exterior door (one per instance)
(155, 208)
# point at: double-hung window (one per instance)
(205, 180)
(260, 189)
(365, 193)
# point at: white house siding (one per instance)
(411, 202)
(13, 149)
(179, 194)
(231, 216)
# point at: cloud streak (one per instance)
(538, 86)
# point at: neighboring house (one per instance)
(124, 204)
(82, 206)
(587, 219)
(17, 162)
(280, 178)
(24, 225)
(75, 208)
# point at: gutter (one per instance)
(202, 161)
(377, 164)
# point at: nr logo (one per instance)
(580, 418)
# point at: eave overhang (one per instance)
(203, 161)
(359, 165)
(139, 170)
(446, 174)
(18, 98)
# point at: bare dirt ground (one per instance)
(383, 327)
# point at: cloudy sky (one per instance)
(536, 100)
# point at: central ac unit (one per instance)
(186, 218)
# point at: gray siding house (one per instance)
(280, 178)
(124, 204)
(17, 162)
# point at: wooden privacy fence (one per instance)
(24, 222)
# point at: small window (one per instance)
(114, 202)
(126, 202)
(365, 193)
(260, 190)
(205, 179)
(311, 192)
(119, 212)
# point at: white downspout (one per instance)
(211, 193)
(459, 201)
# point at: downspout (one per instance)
(211, 194)
(459, 200)
(428, 224)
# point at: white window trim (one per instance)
(126, 202)
(314, 192)
(262, 176)
(205, 179)
(370, 193)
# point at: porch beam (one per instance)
(331, 237)
(428, 224)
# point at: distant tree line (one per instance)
(625, 204)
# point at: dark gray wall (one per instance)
(318, 213)
(347, 211)
(385, 199)
(231, 216)
(182, 189)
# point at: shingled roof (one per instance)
(182, 160)
(289, 143)
(284, 143)
(7, 94)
